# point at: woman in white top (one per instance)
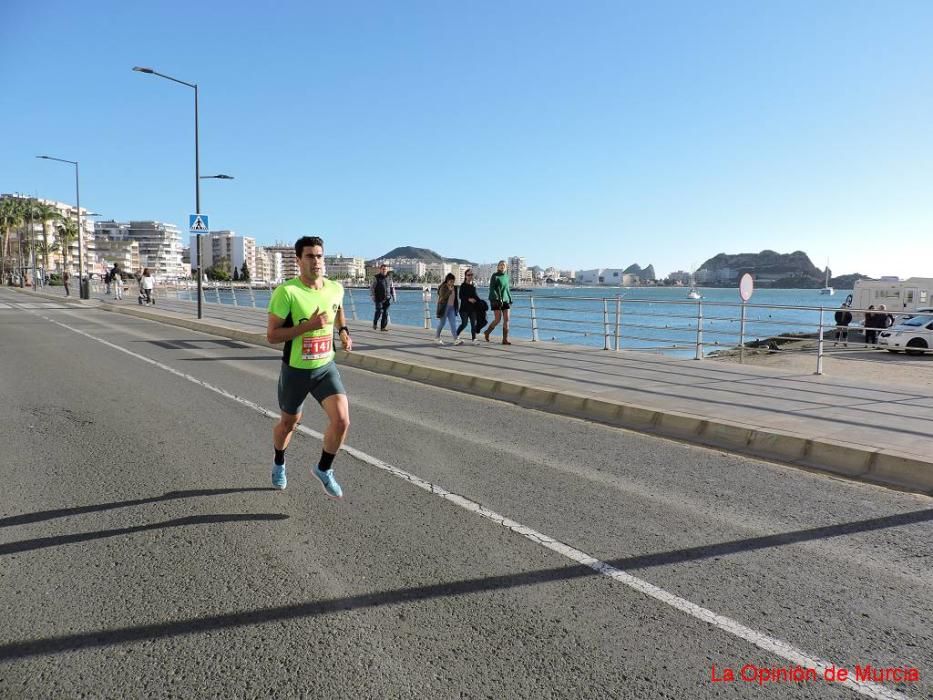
(146, 285)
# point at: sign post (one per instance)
(746, 288)
(198, 224)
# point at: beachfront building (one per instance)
(268, 266)
(340, 267)
(416, 268)
(679, 277)
(158, 247)
(518, 273)
(287, 260)
(220, 245)
(23, 236)
(613, 276)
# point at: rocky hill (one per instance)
(769, 268)
(644, 273)
(425, 255)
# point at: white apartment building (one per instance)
(34, 231)
(288, 261)
(218, 245)
(437, 271)
(518, 273)
(415, 268)
(614, 276)
(268, 266)
(341, 267)
(157, 247)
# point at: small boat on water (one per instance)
(826, 288)
(694, 294)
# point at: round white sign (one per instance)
(746, 287)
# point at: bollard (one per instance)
(819, 347)
(618, 321)
(742, 336)
(605, 324)
(352, 304)
(426, 297)
(699, 354)
(534, 320)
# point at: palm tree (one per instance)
(10, 212)
(46, 213)
(67, 230)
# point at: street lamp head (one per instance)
(216, 177)
(43, 157)
(140, 69)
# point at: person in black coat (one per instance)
(843, 318)
(470, 309)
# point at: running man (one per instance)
(302, 312)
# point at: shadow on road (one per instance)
(42, 515)
(162, 630)
(56, 540)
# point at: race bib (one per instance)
(315, 348)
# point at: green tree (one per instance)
(67, 230)
(244, 272)
(47, 214)
(220, 270)
(10, 212)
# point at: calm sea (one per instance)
(651, 318)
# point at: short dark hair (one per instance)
(304, 241)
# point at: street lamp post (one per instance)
(197, 176)
(83, 291)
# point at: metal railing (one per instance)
(694, 328)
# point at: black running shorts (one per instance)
(296, 384)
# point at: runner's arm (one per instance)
(340, 321)
(276, 332)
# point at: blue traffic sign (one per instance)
(197, 223)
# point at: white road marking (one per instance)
(761, 640)
(5, 306)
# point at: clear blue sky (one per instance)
(591, 134)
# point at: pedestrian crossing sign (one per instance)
(197, 223)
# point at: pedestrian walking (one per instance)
(500, 299)
(302, 314)
(843, 318)
(116, 281)
(469, 306)
(871, 325)
(146, 287)
(66, 278)
(447, 308)
(382, 292)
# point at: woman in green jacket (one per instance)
(500, 301)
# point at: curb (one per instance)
(876, 466)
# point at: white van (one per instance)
(899, 296)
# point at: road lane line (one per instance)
(761, 640)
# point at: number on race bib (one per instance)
(315, 348)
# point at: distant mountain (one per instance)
(847, 281)
(770, 269)
(425, 255)
(643, 273)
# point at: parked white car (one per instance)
(914, 336)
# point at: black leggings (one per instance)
(468, 317)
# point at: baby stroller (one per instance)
(141, 299)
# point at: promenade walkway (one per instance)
(874, 432)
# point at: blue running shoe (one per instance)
(329, 482)
(279, 480)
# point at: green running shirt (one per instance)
(295, 302)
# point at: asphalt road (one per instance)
(143, 554)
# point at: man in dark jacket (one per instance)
(382, 293)
(843, 318)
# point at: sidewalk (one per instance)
(873, 432)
